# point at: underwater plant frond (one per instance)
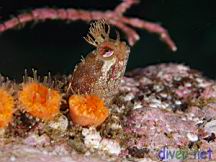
(115, 18)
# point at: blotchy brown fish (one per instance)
(100, 73)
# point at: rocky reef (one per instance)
(166, 107)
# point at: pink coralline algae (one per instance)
(163, 117)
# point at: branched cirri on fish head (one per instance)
(101, 71)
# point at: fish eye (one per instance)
(106, 52)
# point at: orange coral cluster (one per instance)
(6, 108)
(40, 101)
(88, 110)
(43, 103)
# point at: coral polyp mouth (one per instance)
(6, 108)
(40, 101)
(87, 110)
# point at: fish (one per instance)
(101, 71)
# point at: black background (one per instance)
(57, 46)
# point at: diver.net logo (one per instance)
(166, 154)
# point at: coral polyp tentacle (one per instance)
(39, 100)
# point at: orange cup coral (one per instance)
(40, 101)
(88, 110)
(6, 108)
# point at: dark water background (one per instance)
(57, 46)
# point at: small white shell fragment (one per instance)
(12, 158)
(35, 140)
(146, 160)
(61, 123)
(2, 132)
(177, 102)
(92, 138)
(111, 146)
(116, 126)
(129, 97)
(137, 105)
(210, 127)
(192, 137)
